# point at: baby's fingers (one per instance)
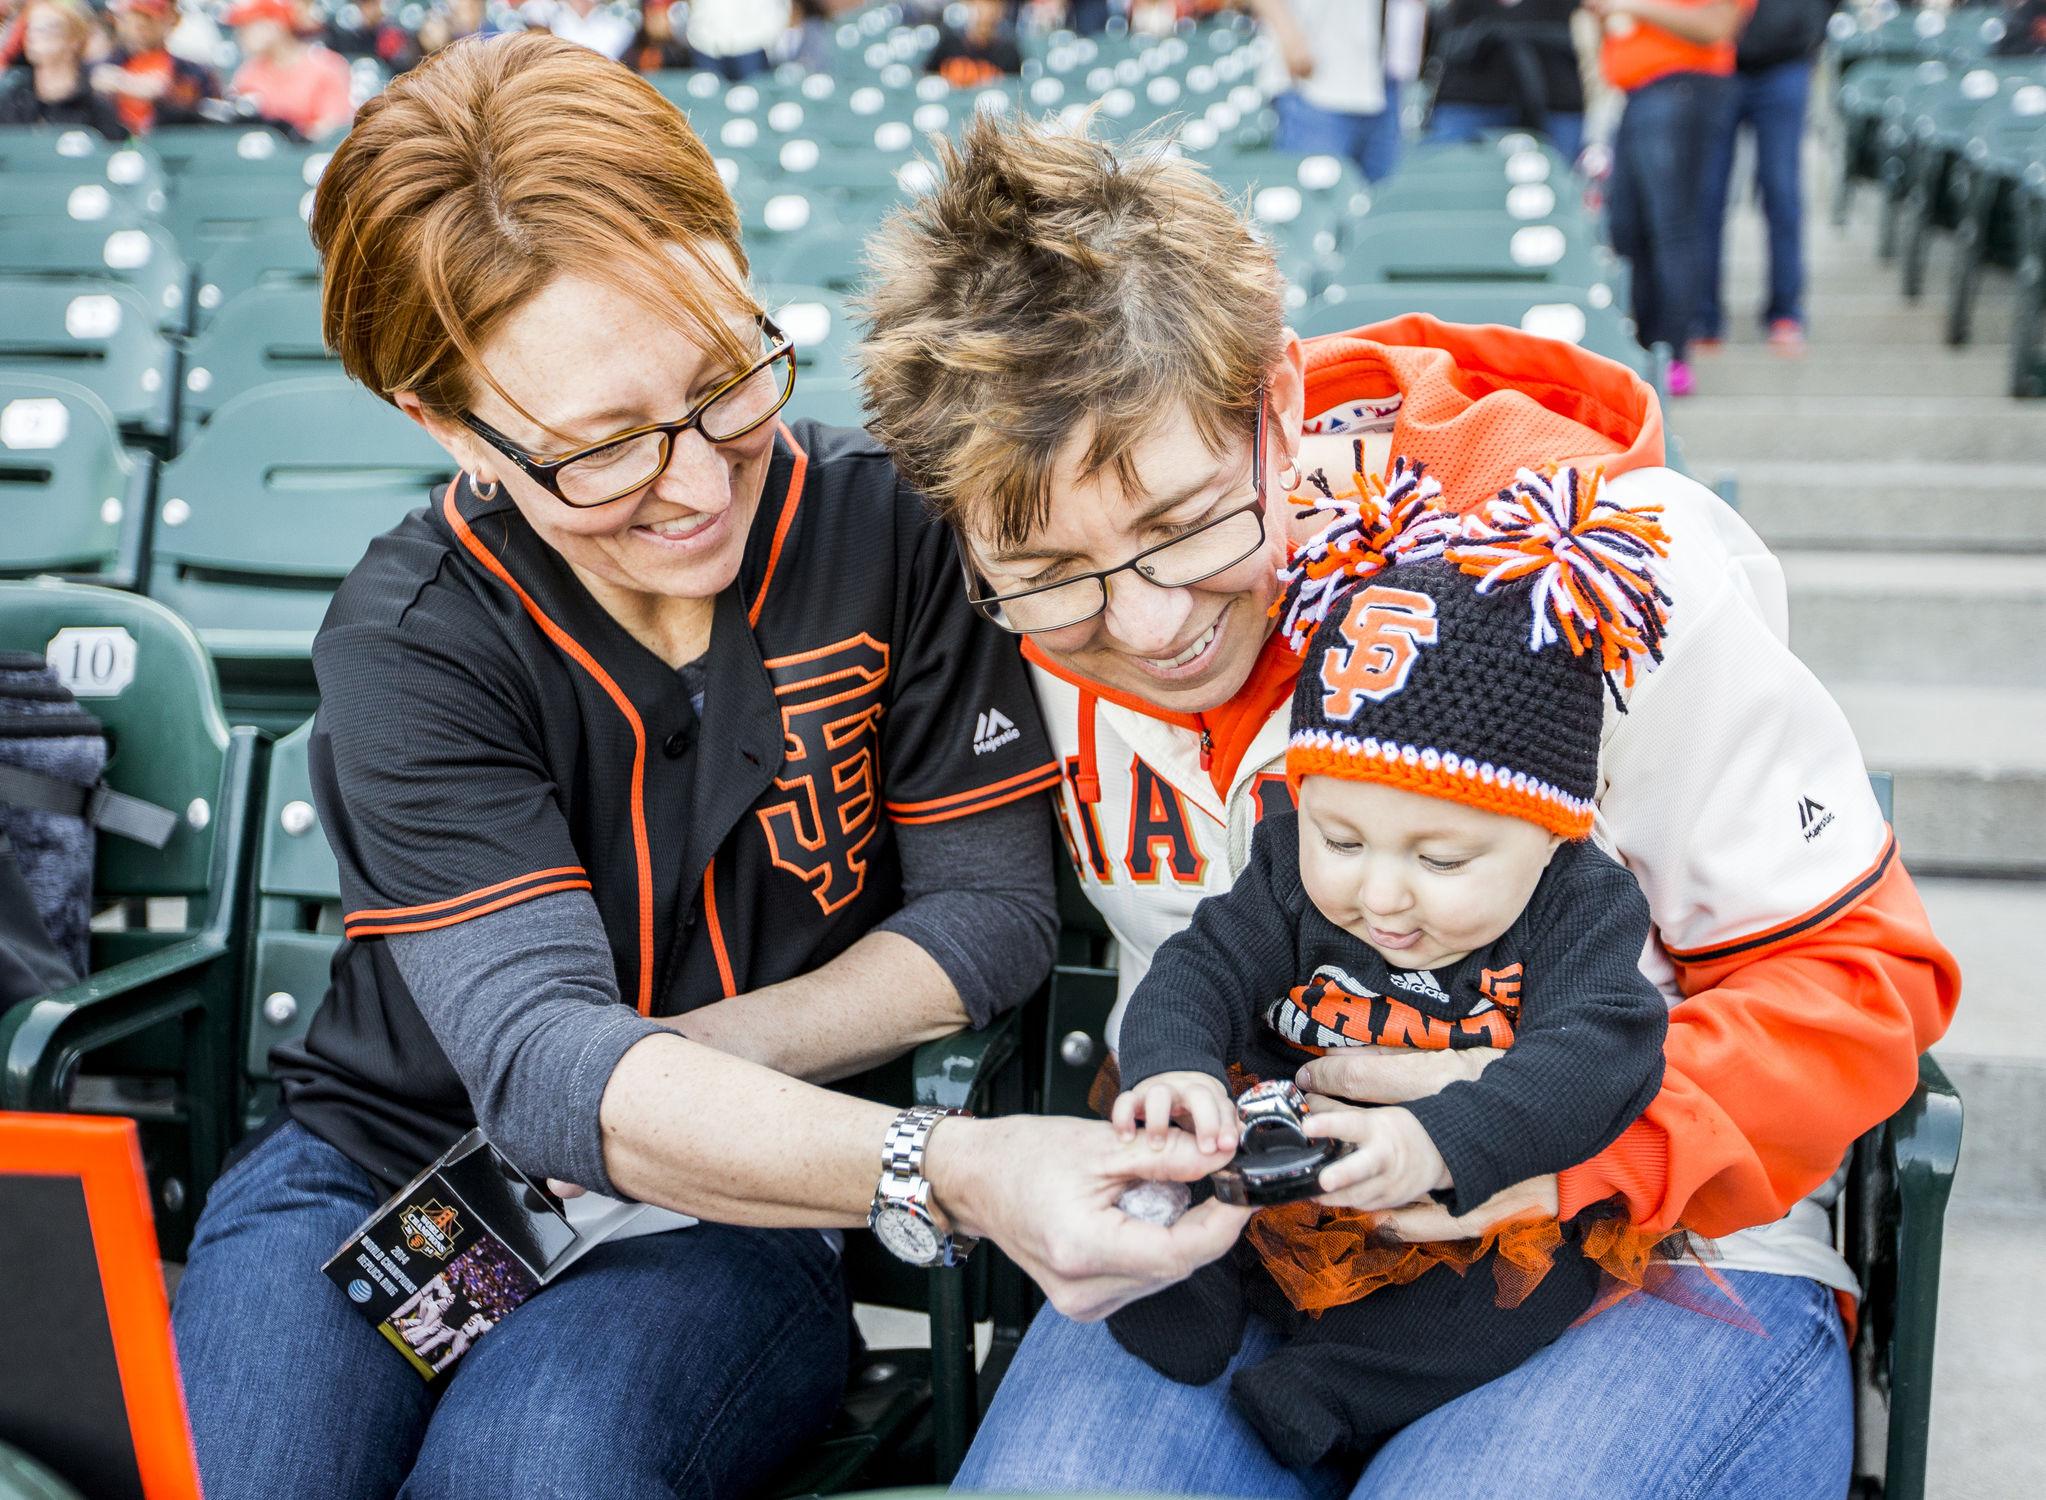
(1157, 1114)
(1123, 1116)
(1205, 1109)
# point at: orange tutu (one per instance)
(1324, 1257)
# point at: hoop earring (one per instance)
(482, 493)
(1289, 485)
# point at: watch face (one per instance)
(906, 1237)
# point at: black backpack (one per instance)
(52, 801)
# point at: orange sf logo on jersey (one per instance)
(1382, 634)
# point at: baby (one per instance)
(1435, 888)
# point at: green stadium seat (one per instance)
(264, 514)
(160, 1004)
(141, 257)
(2005, 149)
(202, 150)
(83, 155)
(1585, 316)
(278, 255)
(1475, 246)
(99, 334)
(267, 333)
(820, 253)
(76, 502)
(222, 207)
(86, 198)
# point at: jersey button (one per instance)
(677, 744)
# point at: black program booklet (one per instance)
(458, 1247)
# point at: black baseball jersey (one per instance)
(487, 734)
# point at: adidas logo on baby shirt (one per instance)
(1420, 982)
(993, 731)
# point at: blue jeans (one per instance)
(1646, 1399)
(686, 1363)
(1772, 104)
(1656, 204)
(1451, 124)
(1371, 141)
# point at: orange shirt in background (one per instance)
(310, 95)
(1635, 54)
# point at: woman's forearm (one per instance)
(875, 1001)
(710, 1134)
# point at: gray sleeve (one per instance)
(978, 897)
(525, 1003)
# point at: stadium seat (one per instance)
(36, 196)
(206, 211)
(82, 155)
(2028, 335)
(141, 257)
(1587, 316)
(267, 333)
(2005, 147)
(279, 254)
(160, 1003)
(1475, 246)
(204, 150)
(297, 928)
(77, 503)
(264, 514)
(98, 334)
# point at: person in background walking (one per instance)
(1772, 83)
(1673, 59)
(1507, 65)
(1329, 60)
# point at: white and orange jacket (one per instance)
(1802, 972)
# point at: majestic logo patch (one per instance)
(831, 765)
(1382, 634)
(992, 731)
(1812, 818)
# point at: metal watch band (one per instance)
(902, 1168)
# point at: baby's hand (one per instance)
(1394, 1164)
(1197, 1100)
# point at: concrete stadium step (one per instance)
(1995, 1051)
(1826, 368)
(1970, 768)
(1989, 1363)
(1907, 507)
(1721, 432)
(1972, 619)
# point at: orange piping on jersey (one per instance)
(1049, 768)
(1046, 781)
(781, 525)
(717, 931)
(371, 914)
(105, 1158)
(379, 929)
(1818, 916)
(1087, 784)
(641, 854)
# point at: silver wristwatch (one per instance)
(901, 1216)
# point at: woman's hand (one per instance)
(1196, 1100)
(1389, 1075)
(1044, 1189)
(1394, 1163)
(1534, 1198)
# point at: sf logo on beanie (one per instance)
(1383, 632)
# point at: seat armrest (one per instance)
(955, 1072)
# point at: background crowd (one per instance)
(1685, 78)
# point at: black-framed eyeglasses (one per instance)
(1189, 558)
(614, 467)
